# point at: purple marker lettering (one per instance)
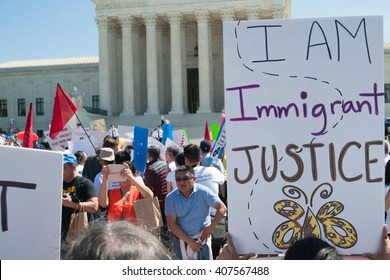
(243, 118)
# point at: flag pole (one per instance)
(85, 131)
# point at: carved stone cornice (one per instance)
(115, 28)
(126, 21)
(202, 16)
(252, 13)
(150, 19)
(278, 12)
(227, 14)
(175, 17)
(118, 4)
(102, 22)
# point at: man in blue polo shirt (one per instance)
(187, 213)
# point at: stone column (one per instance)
(114, 38)
(128, 66)
(183, 31)
(202, 18)
(151, 64)
(176, 64)
(104, 71)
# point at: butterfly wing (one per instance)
(289, 231)
(338, 231)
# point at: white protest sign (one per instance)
(81, 145)
(304, 128)
(31, 183)
(97, 138)
(61, 141)
(180, 137)
(170, 142)
(80, 134)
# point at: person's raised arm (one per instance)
(103, 192)
(144, 190)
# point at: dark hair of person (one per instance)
(79, 155)
(193, 152)
(131, 165)
(121, 157)
(173, 150)
(119, 240)
(311, 248)
(153, 151)
(179, 159)
(329, 253)
(110, 142)
(185, 168)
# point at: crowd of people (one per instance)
(191, 191)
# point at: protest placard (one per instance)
(304, 129)
(61, 140)
(31, 186)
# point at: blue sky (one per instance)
(41, 29)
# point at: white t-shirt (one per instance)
(157, 134)
(172, 166)
(211, 178)
(80, 168)
(171, 179)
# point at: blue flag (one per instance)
(140, 147)
(219, 145)
(167, 132)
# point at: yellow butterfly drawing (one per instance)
(338, 231)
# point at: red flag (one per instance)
(207, 133)
(27, 139)
(63, 110)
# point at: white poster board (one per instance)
(61, 141)
(180, 138)
(31, 181)
(304, 112)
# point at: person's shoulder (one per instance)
(97, 176)
(171, 176)
(85, 181)
(161, 166)
(202, 189)
(172, 195)
(214, 170)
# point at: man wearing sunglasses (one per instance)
(188, 216)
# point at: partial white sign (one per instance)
(31, 186)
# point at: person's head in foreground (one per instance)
(117, 241)
(311, 248)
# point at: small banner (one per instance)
(140, 147)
